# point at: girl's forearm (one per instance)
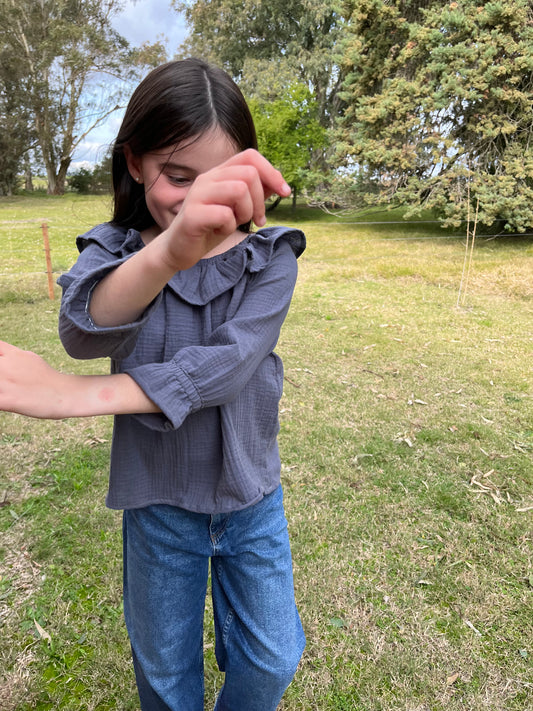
(123, 295)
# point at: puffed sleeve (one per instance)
(103, 249)
(238, 354)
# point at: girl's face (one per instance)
(168, 173)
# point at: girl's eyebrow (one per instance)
(172, 165)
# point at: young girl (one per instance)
(188, 304)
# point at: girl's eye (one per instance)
(180, 180)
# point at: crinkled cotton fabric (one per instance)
(203, 351)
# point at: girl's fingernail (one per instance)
(286, 189)
(261, 221)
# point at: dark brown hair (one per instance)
(176, 102)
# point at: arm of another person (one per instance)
(29, 386)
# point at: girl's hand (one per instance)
(219, 200)
(29, 386)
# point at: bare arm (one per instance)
(29, 386)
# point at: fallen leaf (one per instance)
(43, 634)
(469, 624)
(337, 622)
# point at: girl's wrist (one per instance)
(162, 259)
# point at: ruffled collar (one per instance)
(209, 277)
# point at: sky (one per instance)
(141, 21)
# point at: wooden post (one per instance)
(44, 227)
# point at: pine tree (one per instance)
(439, 101)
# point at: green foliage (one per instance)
(263, 43)
(424, 104)
(16, 133)
(92, 182)
(439, 106)
(67, 61)
(273, 50)
(289, 134)
(80, 181)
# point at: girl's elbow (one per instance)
(87, 346)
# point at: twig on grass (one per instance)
(469, 252)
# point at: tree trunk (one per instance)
(52, 181)
(56, 181)
(62, 175)
(28, 178)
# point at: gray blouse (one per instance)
(203, 352)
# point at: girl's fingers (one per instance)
(230, 189)
(190, 238)
(258, 178)
(236, 187)
(271, 179)
(248, 195)
(219, 200)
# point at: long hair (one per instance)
(176, 102)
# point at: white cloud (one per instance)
(150, 21)
(74, 167)
(90, 151)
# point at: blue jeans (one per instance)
(259, 637)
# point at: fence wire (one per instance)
(76, 229)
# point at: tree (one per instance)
(258, 41)
(270, 48)
(439, 106)
(15, 123)
(69, 58)
(289, 133)
(95, 181)
(12, 146)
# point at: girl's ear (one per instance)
(134, 164)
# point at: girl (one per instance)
(188, 304)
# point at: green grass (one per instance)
(407, 445)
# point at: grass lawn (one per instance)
(407, 447)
